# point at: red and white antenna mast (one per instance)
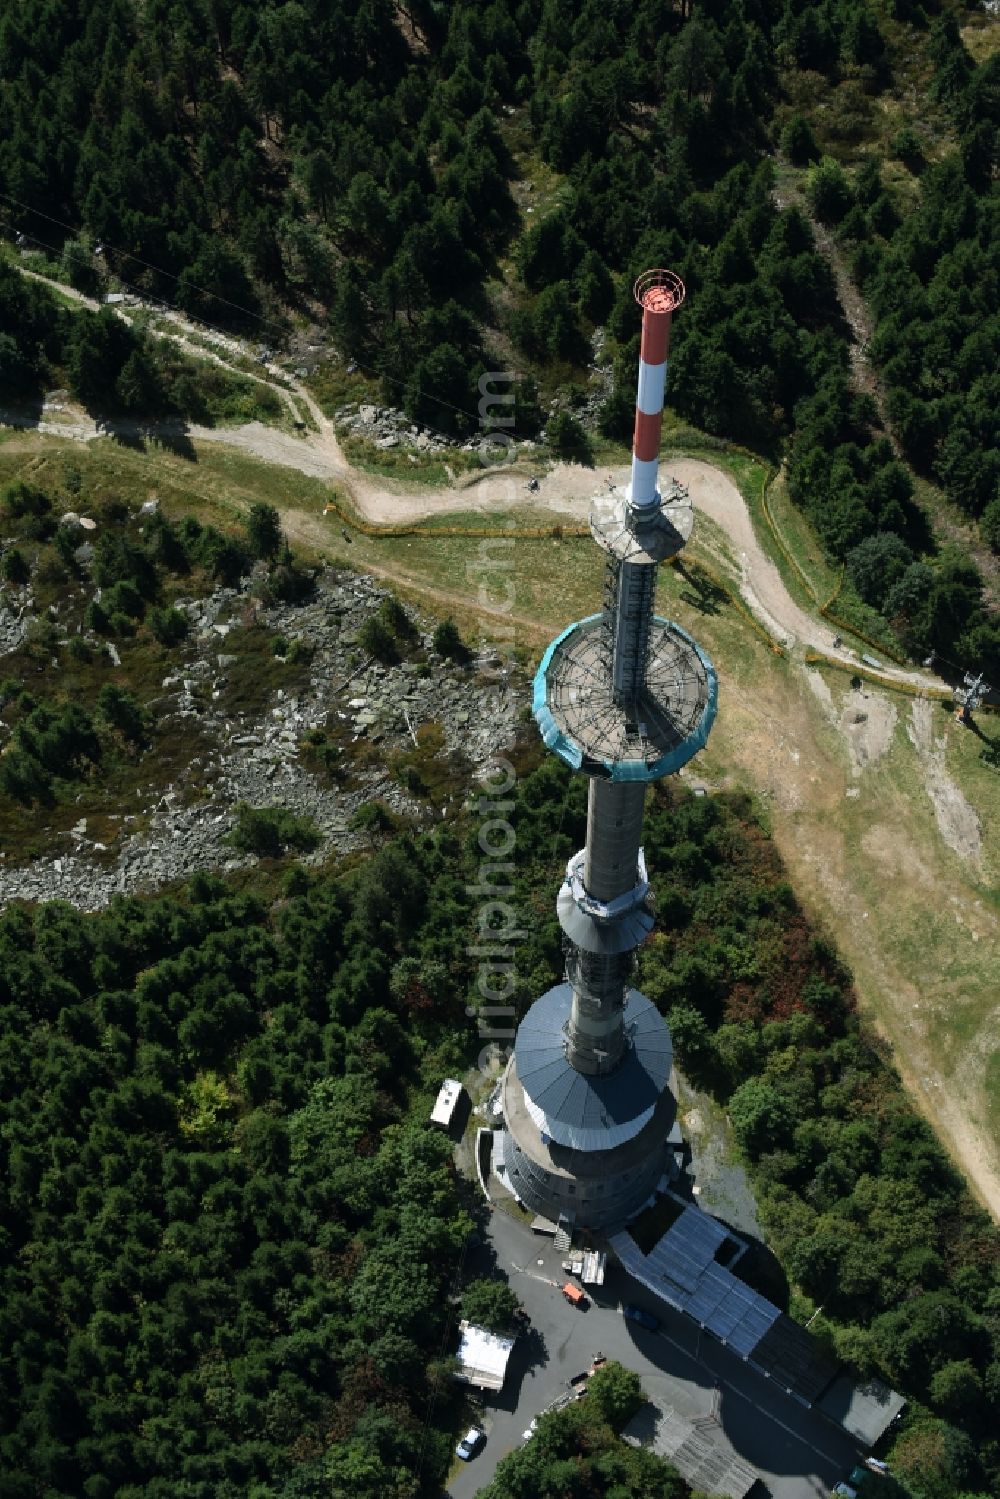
(659, 294)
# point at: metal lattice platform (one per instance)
(634, 536)
(579, 719)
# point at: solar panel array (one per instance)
(731, 1310)
(682, 1270)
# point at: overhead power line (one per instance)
(246, 312)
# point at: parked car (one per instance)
(470, 1443)
(639, 1314)
(574, 1295)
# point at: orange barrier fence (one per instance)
(876, 645)
(724, 587)
(940, 694)
(556, 531)
(825, 609)
(780, 540)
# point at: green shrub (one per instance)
(989, 524)
(616, 1392)
(490, 1304)
(289, 584)
(372, 817)
(78, 266)
(22, 500)
(411, 780)
(67, 741)
(96, 618)
(38, 527)
(42, 635)
(760, 1116)
(828, 191)
(906, 147)
(51, 569)
(376, 639)
(169, 626)
(222, 556)
(118, 560)
(120, 710)
(395, 618)
(568, 439)
(269, 831)
(124, 598)
(65, 540)
(299, 651)
(798, 142)
(263, 528)
(22, 778)
(14, 567)
(448, 642)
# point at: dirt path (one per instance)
(957, 821)
(566, 490)
(864, 377)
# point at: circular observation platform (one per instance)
(580, 721)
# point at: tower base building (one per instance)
(589, 1149)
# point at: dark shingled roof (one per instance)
(575, 1098)
(792, 1356)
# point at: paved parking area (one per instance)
(798, 1453)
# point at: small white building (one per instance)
(482, 1357)
(443, 1111)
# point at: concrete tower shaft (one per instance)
(595, 1033)
(614, 833)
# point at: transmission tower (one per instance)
(626, 697)
(969, 696)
